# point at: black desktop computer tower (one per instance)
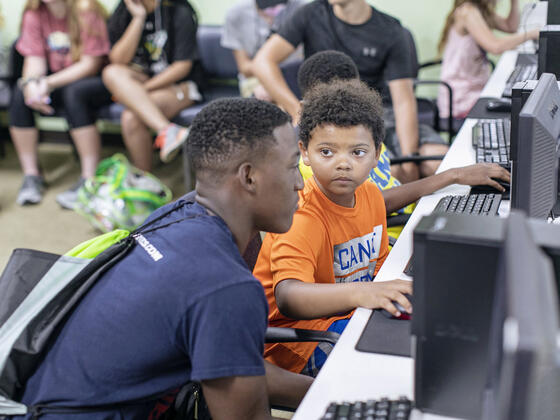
(553, 12)
(549, 50)
(519, 94)
(455, 262)
(455, 269)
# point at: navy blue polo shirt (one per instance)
(182, 305)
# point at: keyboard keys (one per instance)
(482, 204)
(383, 409)
(491, 139)
(520, 73)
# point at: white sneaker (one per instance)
(170, 141)
(31, 191)
(69, 198)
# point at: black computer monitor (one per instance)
(553, 12)
(535, 170)
(524, 378)
(549, 50)
(456, 267)
(520, 92)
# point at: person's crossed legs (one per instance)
(147, 110)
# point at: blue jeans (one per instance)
(322, 351)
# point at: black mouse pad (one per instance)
(385, 336)
(479, 110)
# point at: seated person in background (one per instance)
(379, 46)
(326, 66)
(465, 40)
(64, 43)
(149, 326)
(323, 268)
(248, 25)
(154, 72)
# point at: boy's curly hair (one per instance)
(324, 66)
(342, 103)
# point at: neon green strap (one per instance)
(95, 246)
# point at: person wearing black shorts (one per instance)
(378, 45)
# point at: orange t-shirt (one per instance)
(327, 243)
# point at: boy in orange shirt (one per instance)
(316, 274)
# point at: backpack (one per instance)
(120, 195)
(38, 292)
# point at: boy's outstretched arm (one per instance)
(300, 300)
(478, 174)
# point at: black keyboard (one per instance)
(383, 409)
(491, 140)
(483, 204)
(520, 73)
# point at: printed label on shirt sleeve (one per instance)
(356, 259)
(148, 247)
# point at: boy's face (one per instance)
(280, 181)
(341, 159)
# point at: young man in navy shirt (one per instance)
(193, 311)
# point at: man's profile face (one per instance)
(279, 182)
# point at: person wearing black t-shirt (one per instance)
(380, 49)
(154, 72)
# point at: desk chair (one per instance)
(428, 111)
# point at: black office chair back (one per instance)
(218, 62)
(428, 112)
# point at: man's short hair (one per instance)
(324, 66)
(342, 103)
(231, 129)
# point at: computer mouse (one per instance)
(404, 314)
(488, 189)
(499, 105)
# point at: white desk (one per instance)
(350, 375)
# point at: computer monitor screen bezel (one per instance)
(534, 172)
(553, 12)
(524, 378)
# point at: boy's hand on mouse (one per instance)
(482, 174)
(380, 295)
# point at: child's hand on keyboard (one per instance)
(482, 174)
(381, 295)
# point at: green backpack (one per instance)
(120, 196)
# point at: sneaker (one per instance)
(170, 141)
(69, 198)
(31, 192)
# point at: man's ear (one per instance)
(304, 154)
(246, 175)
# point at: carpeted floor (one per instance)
(46, 226)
